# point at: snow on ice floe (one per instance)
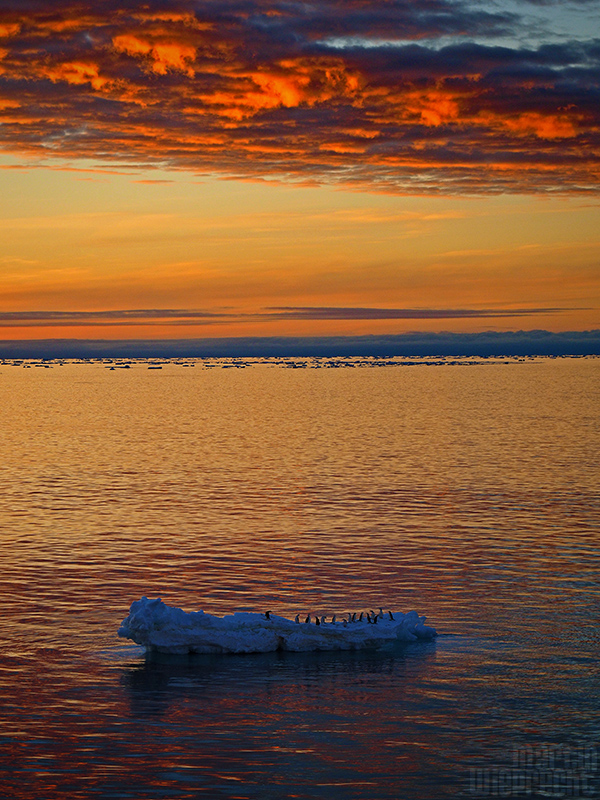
(162, 628)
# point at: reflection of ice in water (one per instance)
(159, 627)
(282, 679)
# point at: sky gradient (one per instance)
(213, 169)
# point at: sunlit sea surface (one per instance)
(467, 489)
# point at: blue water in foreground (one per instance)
(464, 489)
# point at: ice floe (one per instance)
(162, 628)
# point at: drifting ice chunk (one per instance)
(159, 627)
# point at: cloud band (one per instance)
(387, 96)
(182, 317)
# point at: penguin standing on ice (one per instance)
(267, 615)
(297, 620)
(307, 620)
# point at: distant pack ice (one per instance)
(161, 628)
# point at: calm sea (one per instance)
(467, 490)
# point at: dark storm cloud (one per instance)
(356, 93)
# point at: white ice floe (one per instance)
(162, 628)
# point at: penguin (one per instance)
(380, 612)
(360, 619)
(354, 617)
(324, 619)
(333, 620)
(297, 620)
(307, 620)
(267, 615)
(391, 615)
(317, 621)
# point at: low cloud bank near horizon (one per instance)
(195, 317)
(434, 97)
(488, 343)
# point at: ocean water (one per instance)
(466, 489)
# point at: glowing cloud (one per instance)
(386, 96)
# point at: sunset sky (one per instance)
(223, 168)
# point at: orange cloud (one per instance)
(165, 55)
(285, 84)
(434, 107)
(126, 43)
(185, 17)
(293, 83)
(342, 147)
(253, 89)
(9, 29)
(544, 126)
(77, 73)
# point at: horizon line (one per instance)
(412, 343)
